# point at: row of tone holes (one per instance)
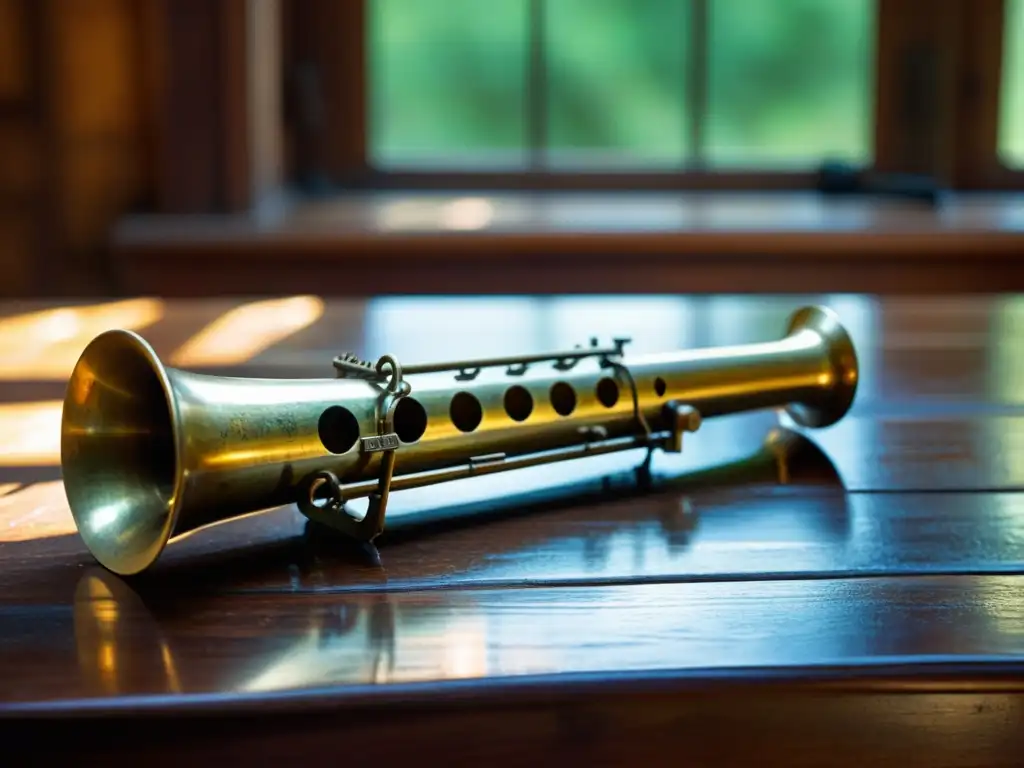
(466, 412)
(339, 428)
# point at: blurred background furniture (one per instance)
(151, 146)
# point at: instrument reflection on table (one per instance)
(142, 637)
(123, 647)
(150, 453)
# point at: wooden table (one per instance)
(861, 603)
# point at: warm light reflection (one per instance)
(243, 333)
(46, 344)
(35, 512)
(501, 633)
(424, 645)
(99, 653)
(860, 316)
(6, 488)
(467, 213)
(461, 214)
(170, 669)
(30, 434)
(407, 214)
(107, 613)
(1000, 601)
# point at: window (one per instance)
(1011, 107)
(447, 82)
(586, 94)
(620, 84)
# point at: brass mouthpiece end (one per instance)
(843, 370)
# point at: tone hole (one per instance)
(607, 392)
(338, 429)
(410, 420)
(518, 403)
(563, 398)
(466, 412)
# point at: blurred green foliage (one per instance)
(447, 78)
(789, 81)
(617, 81)
(1011, 123)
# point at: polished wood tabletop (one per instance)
(852, 595)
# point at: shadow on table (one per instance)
(558, 532)
(344, 628)
(449, 541)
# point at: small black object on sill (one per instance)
(837, 178)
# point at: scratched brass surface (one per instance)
(858, 562)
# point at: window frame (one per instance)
(205, 131)
(979, 165)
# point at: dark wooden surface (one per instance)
(864, 604)
(580, 243)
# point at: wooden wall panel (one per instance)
(101, 132)
(326, 79)
(916, 44)
(14, 75)
(97, 67)
(113, 106)
(939, 81)
(250, 132)
(19, 161)
(19, 170)
(19, 151)
(218, 106)
(101, 180)
(17, 243)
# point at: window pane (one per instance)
(790, 81)
(616, 82)
(1011, 123)
(448, 82)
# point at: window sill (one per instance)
(572, 243)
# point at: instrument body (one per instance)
(150, 453)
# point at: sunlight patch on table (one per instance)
(242, 333)
(45, 345)
(37, 511)
(30, 434)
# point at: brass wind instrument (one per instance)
(150, 453)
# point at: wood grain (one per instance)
(780, 723)
(14, 74)
(325, 640)
(863, 606)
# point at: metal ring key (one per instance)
(385, 442)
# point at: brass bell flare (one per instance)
(120, 451)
